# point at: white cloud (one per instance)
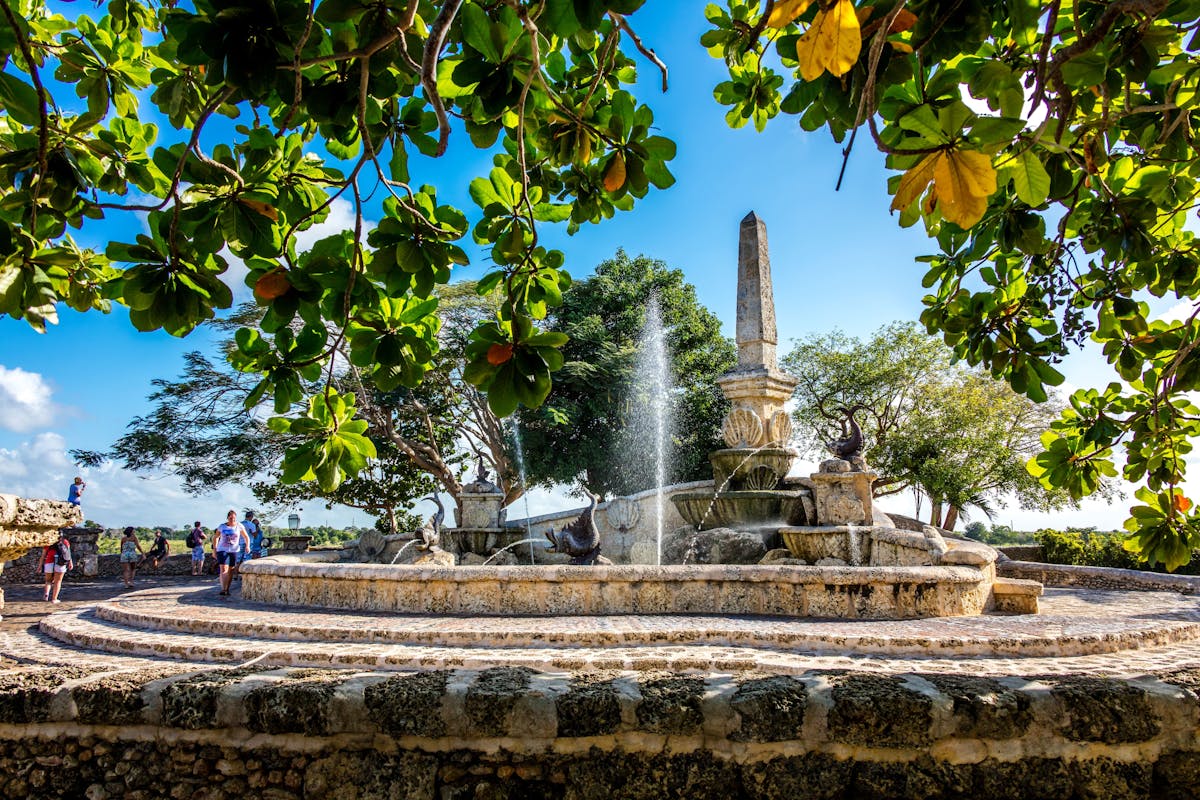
(25, 400)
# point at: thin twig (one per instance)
(433, 51)
(646, 51)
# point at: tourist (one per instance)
(131, 552)
(55, 563)
(159, 550)
(75, 491)
(255, 532)
(228, 541)
(195, 540)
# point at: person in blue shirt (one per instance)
(75, 492)
(255, 531)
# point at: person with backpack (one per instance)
(55, 562)
(195, 540)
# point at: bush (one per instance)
(1088, 548)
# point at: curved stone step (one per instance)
(1065, 628)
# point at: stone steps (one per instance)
(1111, 633)
(196, 611)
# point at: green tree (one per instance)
(326, 99)
(1049, 150)
(946, 431)
(582, 434)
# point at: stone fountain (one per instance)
(847, 560)
(26, 524)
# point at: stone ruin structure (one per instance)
(29, 524)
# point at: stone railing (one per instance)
(514, 732)
(1099, 577)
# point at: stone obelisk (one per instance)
(756, 388)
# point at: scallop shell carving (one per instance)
(761, 478)
(623, 513)
(780, 428)
(742, 428)
(370, 546)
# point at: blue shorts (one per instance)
(229, 557)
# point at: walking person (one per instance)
(195, 540)
(255, 533)
(75, 491)
(131, 553)
(229, 539)
(159, 550)
(55, 563)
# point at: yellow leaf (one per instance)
(901, 47)
(963, 179)
(913, 182)
(614, 176)
(258, 206)
(812, 65)
(840, 37)
(785, 11)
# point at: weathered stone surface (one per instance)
(686, 545)
(114, 699)
(1105, 710)
(670, 703)
(25, 694)
(409, 704)
(984, 708)
(590, 707)
(879, 711)
(299, 705)
(771, 709)
(490, 699)
(814, 776)
(609, 775)
(359, 776)
(192, 703)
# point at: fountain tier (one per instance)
(315, 579)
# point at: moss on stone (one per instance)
(409, 705)
(1104, 710)
(25, 693)
(771, 709)
(602, 775)
(670, 704)
(192, 703)
(984, 708)
(589, 707)
(878, 710)
(492, 696)
(296, 705)
(114, 699)
(813, 776)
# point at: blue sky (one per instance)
(839, 261)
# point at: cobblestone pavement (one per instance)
(1080, 632)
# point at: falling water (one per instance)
(400, 552)
(654, 387)
(520, 453)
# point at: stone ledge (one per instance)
(1099, 577)
(575, 735)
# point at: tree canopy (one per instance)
(324, 101)
(952, 434)
(1049, 149)
(588, 431)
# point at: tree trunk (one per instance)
(951, 518)
(935, 513)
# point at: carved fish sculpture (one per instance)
(581, 539)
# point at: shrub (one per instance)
(1086, 547)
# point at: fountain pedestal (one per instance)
(841, 496)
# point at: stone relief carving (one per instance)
(742, 428)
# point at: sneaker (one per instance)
(56, 601)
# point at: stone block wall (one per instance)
(28, 569)
(181, 732)
(1099, 577)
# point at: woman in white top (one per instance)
(226, 543)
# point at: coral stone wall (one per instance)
(516, 733)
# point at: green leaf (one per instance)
(19, 99)
(1029, 177)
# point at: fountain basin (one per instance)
(484, 541)
(742, 510)
(858, 545)
(739, 465)
(316, 579)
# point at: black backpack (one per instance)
(190, 541)
(62, 553)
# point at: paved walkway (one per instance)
(1079, 632)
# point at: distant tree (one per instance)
(950, 433)
(582, 433)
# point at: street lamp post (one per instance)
(294, 522)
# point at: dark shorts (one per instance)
(229, 557)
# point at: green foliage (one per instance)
(585, 433)
(1049, 150)
(997, 535)
(322, 99)
(1089, 548)
(948, 431)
